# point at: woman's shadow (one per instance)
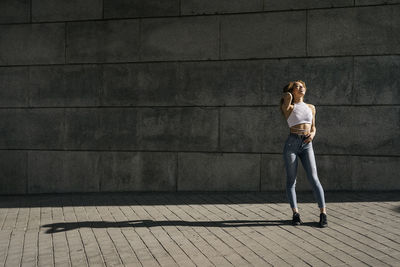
(66, 226)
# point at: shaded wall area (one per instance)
(102, 95)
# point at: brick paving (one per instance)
(198, 229)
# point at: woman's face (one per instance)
(299, 89)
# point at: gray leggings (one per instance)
(296, 148)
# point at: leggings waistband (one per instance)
(302, 136)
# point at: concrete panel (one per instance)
(334, 173)
(13, 174)
(190, 7)
(253, 129)
(12, 11)
(73, 85)
(184, 38)
(137, 171)
(376, 173)
(147, 128)
(221, 83)
(64, 10)
(111, 128)
(81, 172)
(273, 174)
(188, 83)
(275, 77)
(45, 171)
(278, 34)
(14, 132)
(82, 128)
(354, 31)
(377, 130)
(45, 128)
(142, 84)
(32, 44)
(118, 128)
(218, 172)
(329, 81)
(336, 130)
(14, 84)
(362, 130)
(139, 8)
(103, 41)
(376, 80)
(62, 171)
(305, 4)
(182, 129)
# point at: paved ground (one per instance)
(198, 229)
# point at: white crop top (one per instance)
(301, 113)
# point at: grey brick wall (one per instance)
(106, 95)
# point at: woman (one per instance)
(301, 120)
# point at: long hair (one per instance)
(289, 88)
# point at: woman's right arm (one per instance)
(287, 100)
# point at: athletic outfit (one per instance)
(294, 149)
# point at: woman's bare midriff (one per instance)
(303, 128)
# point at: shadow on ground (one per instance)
(185, 198)
(60, 227)
(397, 209)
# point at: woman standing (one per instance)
(301, 120)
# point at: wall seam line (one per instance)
(260, 177)
(205, 15)
(27, 173)
(65, 43)
(102, 9)
(139, 56)
(219, 37)
(219, 130)
(353, 92)
(101, 90)
(29, 90)
(30, 11)
(306, 32)
(177, 172)
(196, 60)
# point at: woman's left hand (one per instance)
(309, 138)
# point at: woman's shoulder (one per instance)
(311, 106)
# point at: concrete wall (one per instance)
(122, 95)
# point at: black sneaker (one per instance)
(296, 219)
(322, 220)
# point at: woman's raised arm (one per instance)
(287, 100)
